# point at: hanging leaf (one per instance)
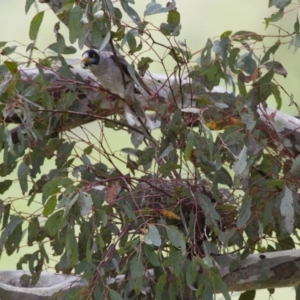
(74, 23)
(131, 12)
(275, 17)
(270, 51)
(35, 25)
(11, 66)
(113, 295)
(50, 206)
(176, 238)
(28, 5)
(189, 145)
(136, 270)
(280, 3)
(161, 286)
(287, 209)
(22, 176)
(5, 185)
(245, 212)
(9, 229)
(153, 235)
(246, 35)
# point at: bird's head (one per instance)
(90, 57)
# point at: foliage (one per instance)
(218, 180)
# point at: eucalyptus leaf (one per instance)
(74, 23)
(176, 238)
(287, 209)
(136, 270)
(28, 5)
(35, 25)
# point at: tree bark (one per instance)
(261, 271)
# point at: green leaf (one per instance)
(270, 51)
(277, 96)
(9, 229)
(154, 8)
(64, 151)
(208, 209)
(189, 145)
(295, 169)
(153, 235)
(176, 238)
(60, 41)
(11, 66)
(275, 17)
(71, 247)
(113, 295)
(205, 58)
(14, 238)
(297, 292)
(191, 274)
(295, 42)
(226, 34)
(85, 203)
(146, 157)
(74, 23)
(287, 209)
(205, 284)
(161, 286)
(173, 17)
(167, 168)
(66, 50)
(247, 63)
(245, 212)
(28, 5)
(169, 29)
(131, 41)
(151, 255)
(280, 3)
(22, 176)
(131, 12)
(218, 283)
(53, 223)
(50, 206)
(2, 209)
(143, 65)
(5, 185)
(240, 163)
(6, 214)
(35, 25)
(247, 35)
(8, 50)
(225, 237)
(136, 270)
(52, 187)
(83, 34)
(33, 231)
(112, 13)
(248, 295)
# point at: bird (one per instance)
(111, 70)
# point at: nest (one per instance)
(183, 197)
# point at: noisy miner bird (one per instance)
(111, 71)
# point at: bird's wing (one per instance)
(123, 64)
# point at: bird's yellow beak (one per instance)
(85, 60)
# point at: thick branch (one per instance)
(261, 271)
